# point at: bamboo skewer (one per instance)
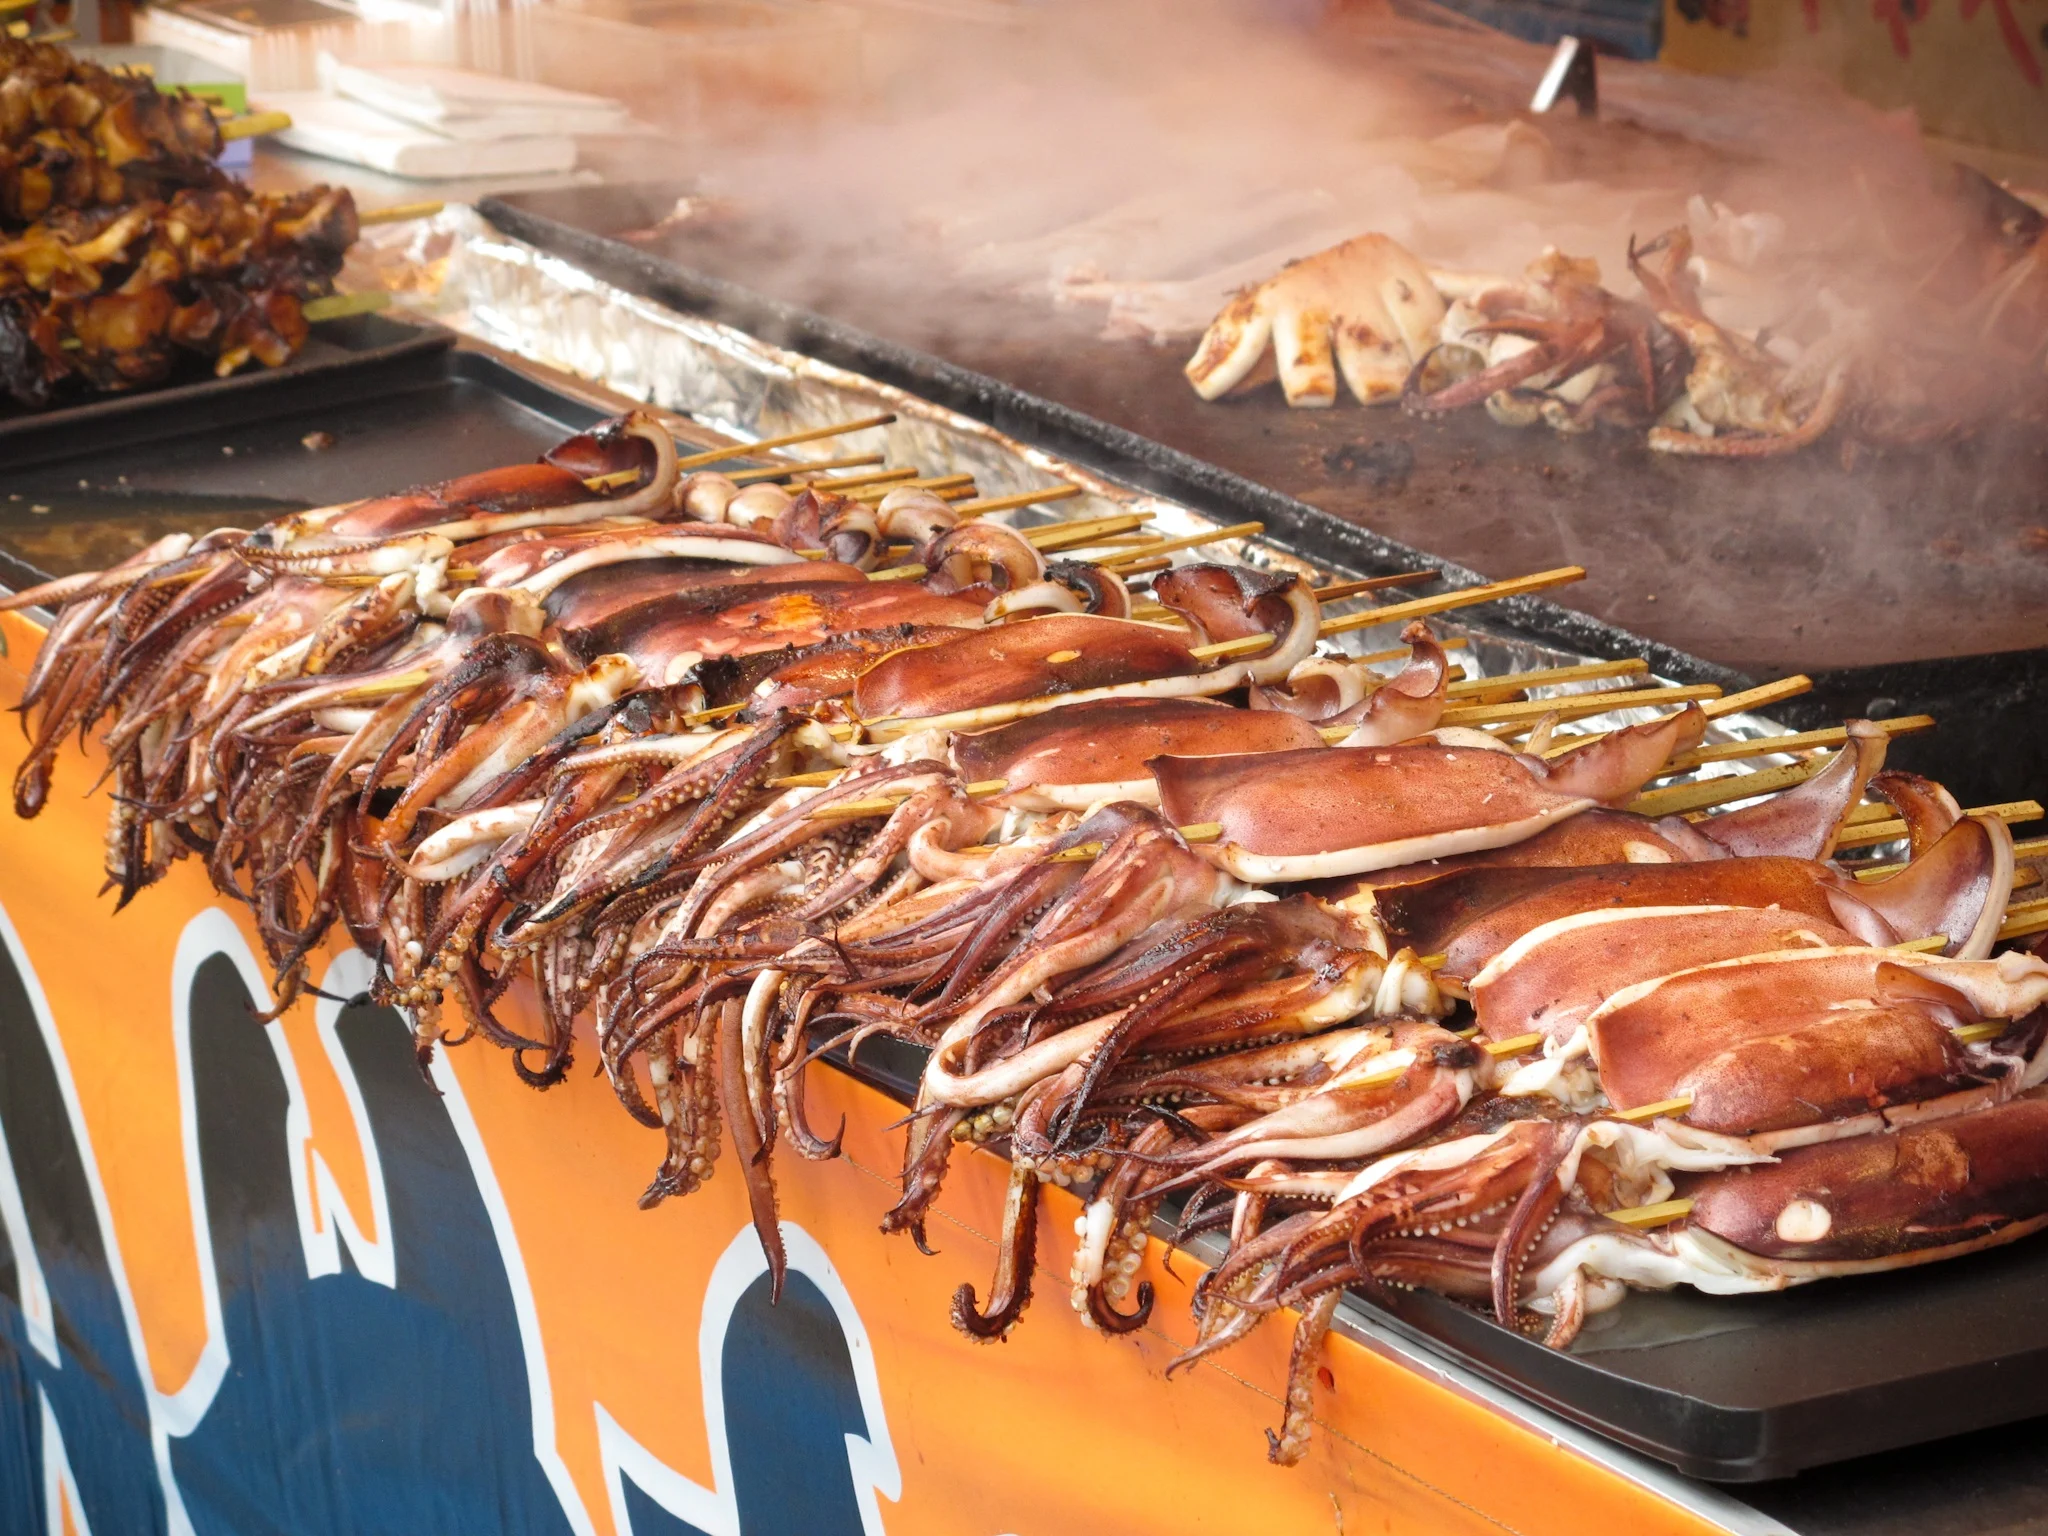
(762, 445)
(1571, 706)
(1544, 677)
(1191, 541)
(2024, 918)
(1644, 1112)
(871, 478)
(783, 471)
(1663, 1213)
(1714, 709)
(1463, 597)
(399, 213)
(2024, 928)
(721, 712)
(339, 306)
(1801, 741)
(1075, 535)
(988, 504)
(1337, 591)
(1990, 1029)
(942, 486)
(1196, 832)
(254, 125)
(1762, 697)
(1864, 834)
(1678, 799)
(1245, 645)
(851, 810)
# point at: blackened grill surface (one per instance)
(1793, 564)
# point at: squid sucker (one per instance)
(1204, 922)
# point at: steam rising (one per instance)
(1151, 156)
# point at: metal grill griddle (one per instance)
(358, 355)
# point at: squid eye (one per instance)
(1804, 1221)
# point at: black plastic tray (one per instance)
(430, 413)
(1748, 1388)
(360, 354)
(1993, 741)
(1742, 1388)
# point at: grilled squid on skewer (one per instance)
(1365, 309)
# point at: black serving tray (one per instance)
(1751, 1388)
(1993, 742)
(358, 355)
(431, 410)
(1732, 1389)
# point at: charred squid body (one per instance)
(1086, 754)
(1552, 977)
(1313, 814)
(1797, 1039)
(1892, 1200)
(1011, 670)
(349, 539)
(601, 592)
(1801, 823)
(813, 678)
(669, 636)
(1957, 889)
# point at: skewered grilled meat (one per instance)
(111, 299)
(74, 135)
